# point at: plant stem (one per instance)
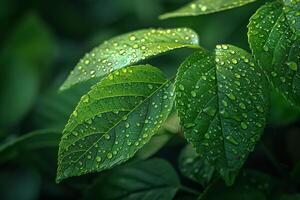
(272, 159)
(189, 190)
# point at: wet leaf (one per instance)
(115, 119)
(149, 180)
(202, 7)
(194, 167)
(291, 9)
(129, 49)
(276, 47)
(222, 103)
(28, 142)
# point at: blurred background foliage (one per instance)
(41, 41)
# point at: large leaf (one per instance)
(149, 180)
(28, 142)
(114, 120)
(222, 102)
(277, 49)
(194, 166)
(202, 7)
(128, 49)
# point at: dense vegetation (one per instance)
(126, 125)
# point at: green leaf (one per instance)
(129, 49)
(28, 142)
(202, 7)
(115, 119)
(248, 186)
(276, 48)
(222, 103)
(148, 180)
(291, 9)
(194, 166)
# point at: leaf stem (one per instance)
(189, 190)
(272, 158)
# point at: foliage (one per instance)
(120, 106)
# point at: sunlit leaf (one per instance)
(115, 119)
(194, 167)
(276, 48)
(202, 7)
(222, 103)
(128, 49)
(149, 180)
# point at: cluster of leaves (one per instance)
(220, 96)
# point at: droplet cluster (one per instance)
(115, 119)
(276, 46)
(128, 49)
(221, 99)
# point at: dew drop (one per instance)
(109, 155)
(181, 87)
(193, 93)
(244, 125)
(98, 159)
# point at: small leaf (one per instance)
(194, 167)
(129, 49)
(153, 179)
(202, 7)
(222, 103)
(28, 142)
(114, 120)
(276, 48)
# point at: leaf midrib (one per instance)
(167, 81)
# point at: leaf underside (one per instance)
(115, 119)
(153, 179)
(202, 7)
(129, 49)
(222, 102)
(276, 46)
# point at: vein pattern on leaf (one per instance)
(276, 46)
(103, 132)
(222, 102)
(129, 49)
(138, 180)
